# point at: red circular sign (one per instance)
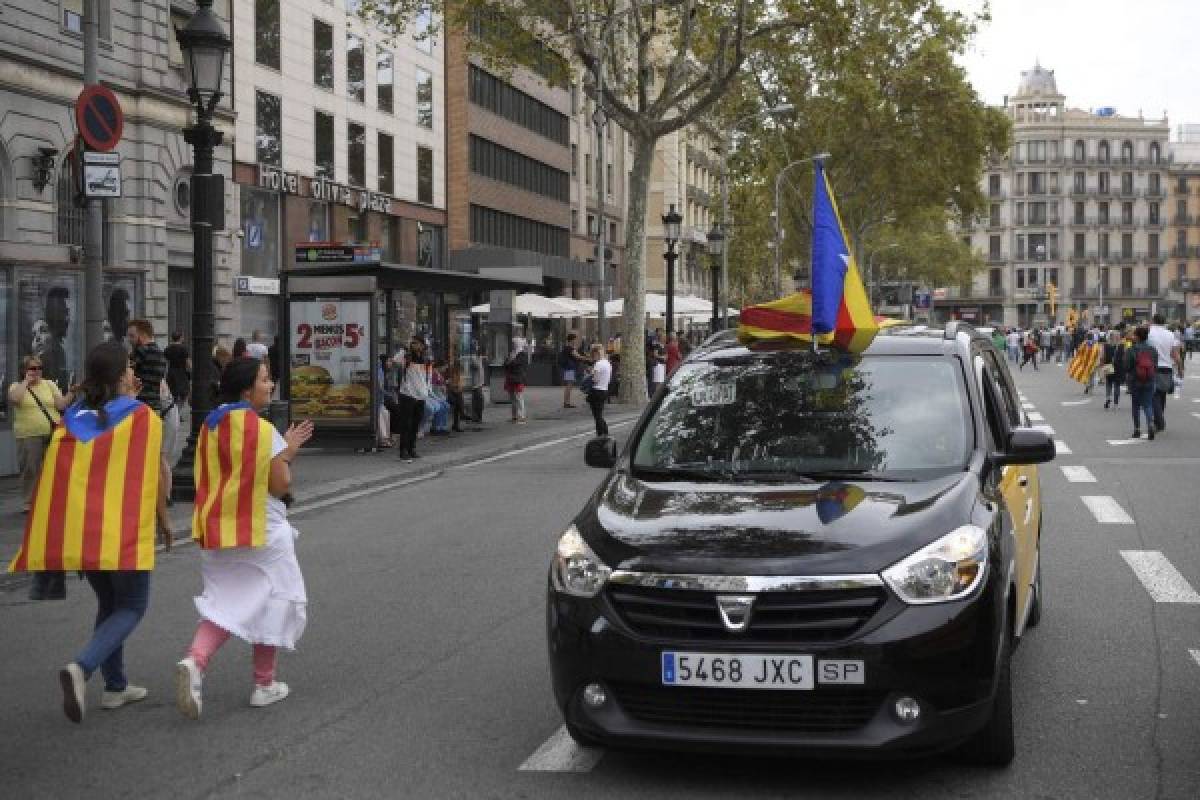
(99, 118)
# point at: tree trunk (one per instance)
(633, 338)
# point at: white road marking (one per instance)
(1195, 656)
(560, 753)
(1078, 474)
(1119, 442)
(1196, 399)
(1083, 402)
(1060, 447)
(1106, 510)
(342, 498)
(1163, 582)
(1046, 429)
(1196, 415)
(1028, 406)
(1037, 417)
(539, 446)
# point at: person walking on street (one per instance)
(568, 364)
(37, 406)
(455, 386)
(179, 370)
(999, 340)
(1046, 341)
(597, 395)
(1014, 345)
(253, 587)
(1113, 369)
(1140, 373)
(108, 448)
(150, 368)
(515, 369)
(410, 399)
(476, 379)
(674, 355)
(1167, 351)
(1030, 348)
(257, 348)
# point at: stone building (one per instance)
(1183, 226)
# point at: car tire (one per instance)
(995, 744)
(1035, 608)
(582, 739)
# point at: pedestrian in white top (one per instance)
(1163, 342)
(257, 348)
(597, 396)
(1014, 345)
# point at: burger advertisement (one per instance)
(330, 372)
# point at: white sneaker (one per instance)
(189, 681)
(114, 700)
(73, 685)
(266, 695)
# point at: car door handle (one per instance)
(1023, 480)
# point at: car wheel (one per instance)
(995, 745)
(582, 739)
(1035, 609)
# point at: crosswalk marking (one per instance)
(1107, 510)
(1078, 474)
(1119, 442)
(1082, 402)
(1163, 582)
(1036, 417)
(1195, 656)
(1060, 447)
(1194, 414)
(1046, 429)
(1028, 406)
(560, 753)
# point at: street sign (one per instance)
(101, 180)
(251, 285)
(99, 118)
(254, 235)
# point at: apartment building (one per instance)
(147, 241)
(1079, 202)
(1183, 227)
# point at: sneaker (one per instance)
(1150, 434)
(522, 422)
(1107, 403)
(189, 681)
(130, 694)
(1137, 434)
(266, 695)
(73, 684)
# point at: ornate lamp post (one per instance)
(716, 247)
(671, 222)
(205, 44)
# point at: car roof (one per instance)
(899, 340)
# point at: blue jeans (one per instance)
(121, 599)
(1143, 400)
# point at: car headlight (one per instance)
(947, 569)
(577, 570)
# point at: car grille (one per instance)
(815, 616)
(812, 712)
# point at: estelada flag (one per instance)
(233, 464)
(1085, 361)
(94, 507)
(836, 312)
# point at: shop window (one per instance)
(268, 129)
(424, 98)
(356, 70)
(431, 243)
(424, 175)
(266, 33)
(260, 232)
(71, 17)
(323, 136)
(386, 150)
(356, 154)
(384, 81)
(318, 222)
(322, 54)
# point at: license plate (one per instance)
(737, 670)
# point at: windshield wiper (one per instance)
(856, 474)
(682, 473)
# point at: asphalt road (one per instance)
(423, 671)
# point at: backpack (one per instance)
(1145, 364)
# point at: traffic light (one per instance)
(1052, 291)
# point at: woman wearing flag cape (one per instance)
(94, 509)
(253, 588)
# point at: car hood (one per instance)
(800, 529)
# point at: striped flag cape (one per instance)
(94, 507)
(1086, 359)
(837, 311)
(233, 463)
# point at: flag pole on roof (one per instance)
(836, 311)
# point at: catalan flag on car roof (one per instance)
(233, 463)
(836, 312)
(94, 507)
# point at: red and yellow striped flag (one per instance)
(233, 464)
(1086, 359)
(94, 508)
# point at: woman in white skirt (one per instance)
(253, 588)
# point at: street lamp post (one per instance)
(716, 249)
(671, 222)
(779, 220)
(205, 44)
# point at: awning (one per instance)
(404, 276)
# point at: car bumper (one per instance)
(942, 656)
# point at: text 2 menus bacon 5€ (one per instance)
(330, 370)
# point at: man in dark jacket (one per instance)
(1141, 381)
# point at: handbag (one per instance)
(53, 422)
(1107, 369)
(588, 383)
(1164, 382)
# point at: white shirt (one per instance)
(1014, 339)
(601, 374)
(660, 373)
(1163, 341)
(257, 350)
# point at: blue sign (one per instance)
(254, 235)
(922, 299)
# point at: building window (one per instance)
(1102, 210)
(1102, 241)
(1126, 245)
(356, 154)
(1037, 213)
(1155, 184)
(323, 137)
(608, 180)
(1080, 151)
(70, 216)
(1155, 153)
(1127, 152)
(356, 69)
(1037, 151)
(71, 15)
(1079, 214)
(422, 30)
(322, 54)
(574, 160)
(1080, 245)
(1079, 279)
(994, 185)
(1126, 279)
(1152, 245)
(268, 129)
(1127, 183)
(424, 98)
(1153, 213)
(994, 248)
(1080, 185)
(1102, 153)
(490, 93)
(386, 170)
(575, 220)
(994, 215)
(499, 229)
(1126, 213)
(424, 175)
(1102, 182)
(384, 80)
(508, 166)
(266, 33)
(431, 245)
(1020, 213)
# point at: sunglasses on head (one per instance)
(37, 368)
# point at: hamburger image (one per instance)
(308, 408)
(310, 383)
(350, 400)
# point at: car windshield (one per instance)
(793, 416)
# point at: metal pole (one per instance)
(716, 294)
(601, 317)
(722, 296)
(93, 231)
(778, 234)
(670, 257)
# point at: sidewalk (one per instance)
(322, 474)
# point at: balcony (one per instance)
(1128, 258)
(1128, 192)
(1079, 192)
(1130, 223)
(997, 194)
(1050, 255)
(1082, 222)
(996, 259)
(1101, 191)
(1158, 258)
(1155, 224)
(1083, 258)
(1181, 251)
(1078, 293)
(1184, 285)
(1156, 193)
(995, 224)
(1183, 219)
(1130, 292)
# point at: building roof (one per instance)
(1037, 81)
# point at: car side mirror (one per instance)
(601, 452)
(1026, 446)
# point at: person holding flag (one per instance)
(837, 311)
(253, 587)
(94, 510)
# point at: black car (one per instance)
(807, 552)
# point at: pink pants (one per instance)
(208, 640)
